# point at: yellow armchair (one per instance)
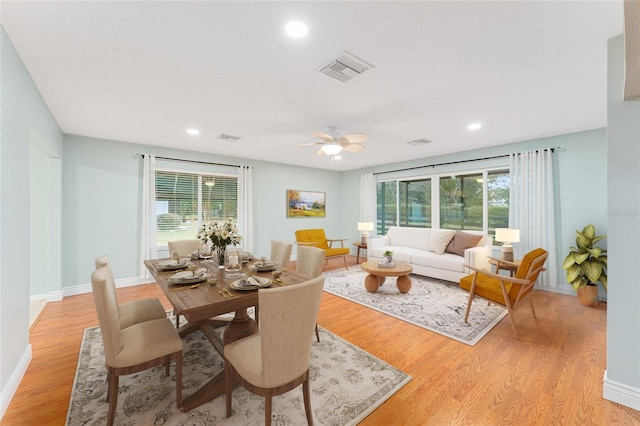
(509, 292)
(317, 238)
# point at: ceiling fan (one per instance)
(332, 144)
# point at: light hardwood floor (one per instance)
(551, 376)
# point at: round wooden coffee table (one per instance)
(378, 274)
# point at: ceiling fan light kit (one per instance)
(333, 144)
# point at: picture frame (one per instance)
(305, 203)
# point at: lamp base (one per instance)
(365, 237)
(507, 252)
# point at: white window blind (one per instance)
(185, 200)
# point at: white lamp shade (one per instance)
(507, 235)
(365, 226)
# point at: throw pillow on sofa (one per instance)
(439, 240)
(462, 241)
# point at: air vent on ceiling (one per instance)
(226, 137)
(345, 67)
(419, 142)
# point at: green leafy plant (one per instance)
(586, 264)
(388, 253)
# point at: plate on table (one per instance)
(172, 264)
(246, 257)
(188, 277)
(265, 266)
(251, 283)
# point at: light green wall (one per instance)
(622, 383)
(102, 192)
(23, 114)
(580, 178)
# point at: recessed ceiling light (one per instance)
(296, 29)
(193, 132)
(474, 126)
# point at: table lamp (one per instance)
(365, 227)
(507, 236)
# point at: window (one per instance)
(461, 205)
(477, 200)
(185, 200)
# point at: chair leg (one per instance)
(108, 383)
(179, 379)
(257, 314)
(307, 400)
(167, 365)
(466, 315)
(317, 334)
(345, 262)
(267, 410)
(177, 318)
(113, 400)
(228, 376)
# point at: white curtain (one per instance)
(368, 200)
(148, 246)
(245, 210)
(531, 208)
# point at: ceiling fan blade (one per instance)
(354, 147)
(325, 137)
(309, 144)
(355, 137)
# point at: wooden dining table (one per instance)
(201, 302)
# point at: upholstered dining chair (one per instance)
(309, 263)
(281, 252)
(276, 360)
(135, 311)
(317, 238)
(510, 292)
(184, 247)
(135, 348)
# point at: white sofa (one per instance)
(424, 249)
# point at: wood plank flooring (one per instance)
(551, 376)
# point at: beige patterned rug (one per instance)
(436, 305)
(347, 384)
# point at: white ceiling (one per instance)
(146, 71)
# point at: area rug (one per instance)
(436, 305)
(347, 384)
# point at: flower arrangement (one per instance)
(218, 235)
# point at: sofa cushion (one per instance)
(439, 240)
(462, 241)
(409, 237)
(446, 261)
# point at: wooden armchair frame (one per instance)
(513, 290)
(317, 238)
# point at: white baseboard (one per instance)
(86, 288)
(626, 395)
(9, 390)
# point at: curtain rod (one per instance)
(139, 155)
(455, 162)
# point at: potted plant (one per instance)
(388, 255)
(586, 266)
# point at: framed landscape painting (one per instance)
(305, 203)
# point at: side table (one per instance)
(360, 246)
(505, 265)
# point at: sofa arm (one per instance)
(478, 257)
(373, 243)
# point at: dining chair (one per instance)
(281, 252)
(508, 291)
(135, 348)
(276, 359)
(309, 263)
(317, 238)
(184, 247)
(135, 311)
